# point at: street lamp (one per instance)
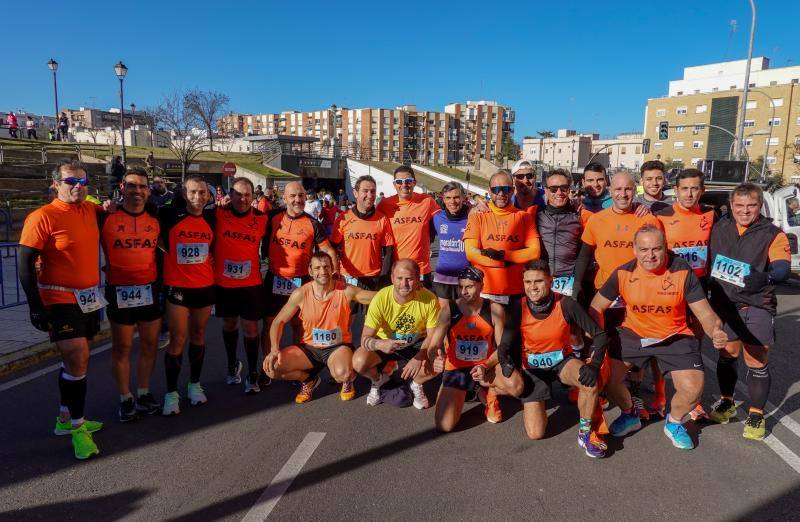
(120, 70)
(53, 66)
(133, 122)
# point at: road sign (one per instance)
(228, 169)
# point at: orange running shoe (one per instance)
(491, 405)
(698, 413)
(306, 390)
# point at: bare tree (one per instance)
(206, 106)
(180, 123)
(93, 132)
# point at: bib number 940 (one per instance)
(544, 360)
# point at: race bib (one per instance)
(729, 270)
(696, 256)
(325, 338)
(90, 299)
(408, 338)
(563, 285)
(134, 296)
(284, 285)
(651, 341)
(545, 360)
(619, 302)
(236, 269)
(350, 280)
(499, 299)
(471, 350)
(191, 253)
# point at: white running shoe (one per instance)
(251, 388)
(236, 376)
(420, 400)
(163, 340)
(196, 394)
(374, 396)
(172, 404)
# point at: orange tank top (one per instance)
(470, 339)
(325, 323)
(543, 335)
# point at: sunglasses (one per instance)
(75, 181)
(525, 176)
(135, 186)
(555, 188)
(405, 181)
(505, 189)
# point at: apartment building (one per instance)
(99, 119)
(621, 152)
(566, 150)
(702, 113)
(458, 135)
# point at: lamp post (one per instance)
(53, 66)
(740, 134)
(133, 123)
(120, 70)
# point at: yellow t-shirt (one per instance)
(407, 322)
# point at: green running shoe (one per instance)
(722, 411)
(755, 427)
(65, 428)
(83, 444)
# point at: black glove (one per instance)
(491, 253)
(40, 319)
(588, 375)
(755, 281)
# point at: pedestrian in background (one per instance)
(30, 126)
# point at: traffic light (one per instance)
(646, 146)
(663, 130)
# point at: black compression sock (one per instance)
(73, 393)
(231, 341)
(727, 375)
(251, 350)
(758, 384)
(172, 365)
(196, 354)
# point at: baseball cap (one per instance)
(522, 164)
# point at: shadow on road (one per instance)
(107, 507)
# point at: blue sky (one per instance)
(585, 65)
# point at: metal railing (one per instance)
(11, 293)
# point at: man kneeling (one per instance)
(324, 309)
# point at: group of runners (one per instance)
(531, 288)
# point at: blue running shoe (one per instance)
(676, 432)
(593, 449)
(626, 423)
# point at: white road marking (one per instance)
(47, 369)
(780, 449)
(270, 497)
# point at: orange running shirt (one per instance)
(779, 249)
(502, 229)
(611, 234)
(470, 338)
(129, 242)
(325, 323)
(188, 262)
(655, 303)
(237, 259)
(688, 232)
(548, 334)
(263, 206)
(410, 221)
(68, 238)
(360, 240)
(291, 242)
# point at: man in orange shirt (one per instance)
(657, 288)
(323, 305)
(129, 238)
(237, 274)
(63, 297)
(501, 241)
(410, 215)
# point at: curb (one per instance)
(34, 354)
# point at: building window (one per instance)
(751, 104)
(774, 122)
(680, 128)
(622, 150)
(748, 142)
(700, 109)
(715, 89)
(680, 111)
(773, 141)
(638, 150)
(699, 127)
(396, 143)
(680, 93)
(771, 160)
(773, 83)
(657, 145)
(677, 145)
(697, 144)
(749, 123)
(661, 112)
(778, 102)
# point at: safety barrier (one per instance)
(11, 293)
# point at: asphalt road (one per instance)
(214, 462)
